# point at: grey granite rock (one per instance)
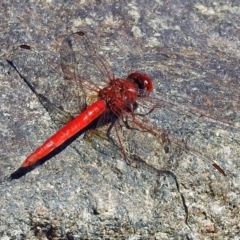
(87, 191)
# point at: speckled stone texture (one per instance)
(191, 49)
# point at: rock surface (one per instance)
(87, 191)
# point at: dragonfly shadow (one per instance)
(137, 162)
(98, 122)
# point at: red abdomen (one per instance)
(70, 129)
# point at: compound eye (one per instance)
(146, 85)
(147, 82)
(143, 81)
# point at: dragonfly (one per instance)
(85, 75)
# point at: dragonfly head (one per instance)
(142, 81)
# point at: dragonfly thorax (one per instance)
(120, 95)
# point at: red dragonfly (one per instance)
(86, 72)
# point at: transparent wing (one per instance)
(62, 85)
(92, 68)
(161, 131)
(197, 100)
(192, 129)
(207, 82)
(132, 142)
(62, 98)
